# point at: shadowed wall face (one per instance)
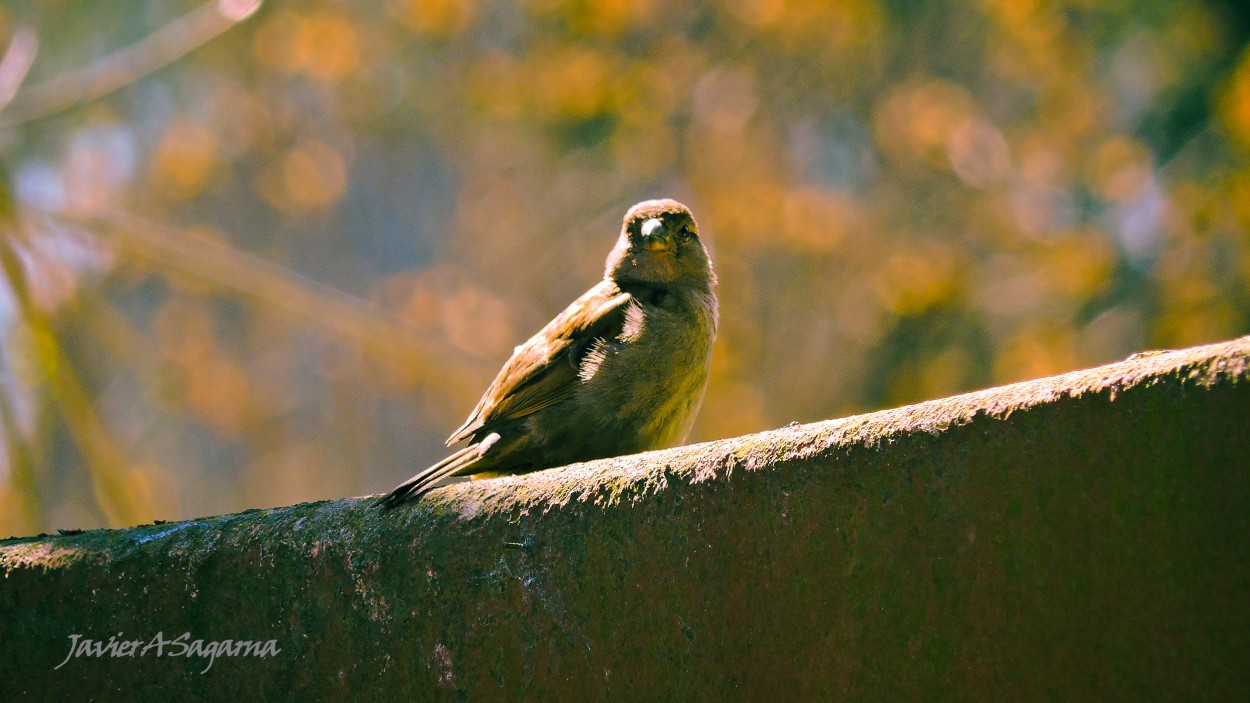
(310, 242)
(1075, 538)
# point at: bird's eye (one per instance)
(686, 231)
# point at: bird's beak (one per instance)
(655, 236)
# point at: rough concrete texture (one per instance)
(1082, 537)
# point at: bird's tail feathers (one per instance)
(453, 465)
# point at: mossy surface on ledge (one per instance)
(1081, 536)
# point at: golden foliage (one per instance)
(372, 203)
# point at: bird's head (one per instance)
(659, 244)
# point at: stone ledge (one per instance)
(1077, 537)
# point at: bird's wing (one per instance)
(543, 371)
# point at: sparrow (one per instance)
(622, 370)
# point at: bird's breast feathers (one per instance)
(657, 368)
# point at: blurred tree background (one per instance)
(259, 255)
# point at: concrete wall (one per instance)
(1083, 537)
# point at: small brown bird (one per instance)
(621, 370)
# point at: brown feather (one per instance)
(538, 374)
